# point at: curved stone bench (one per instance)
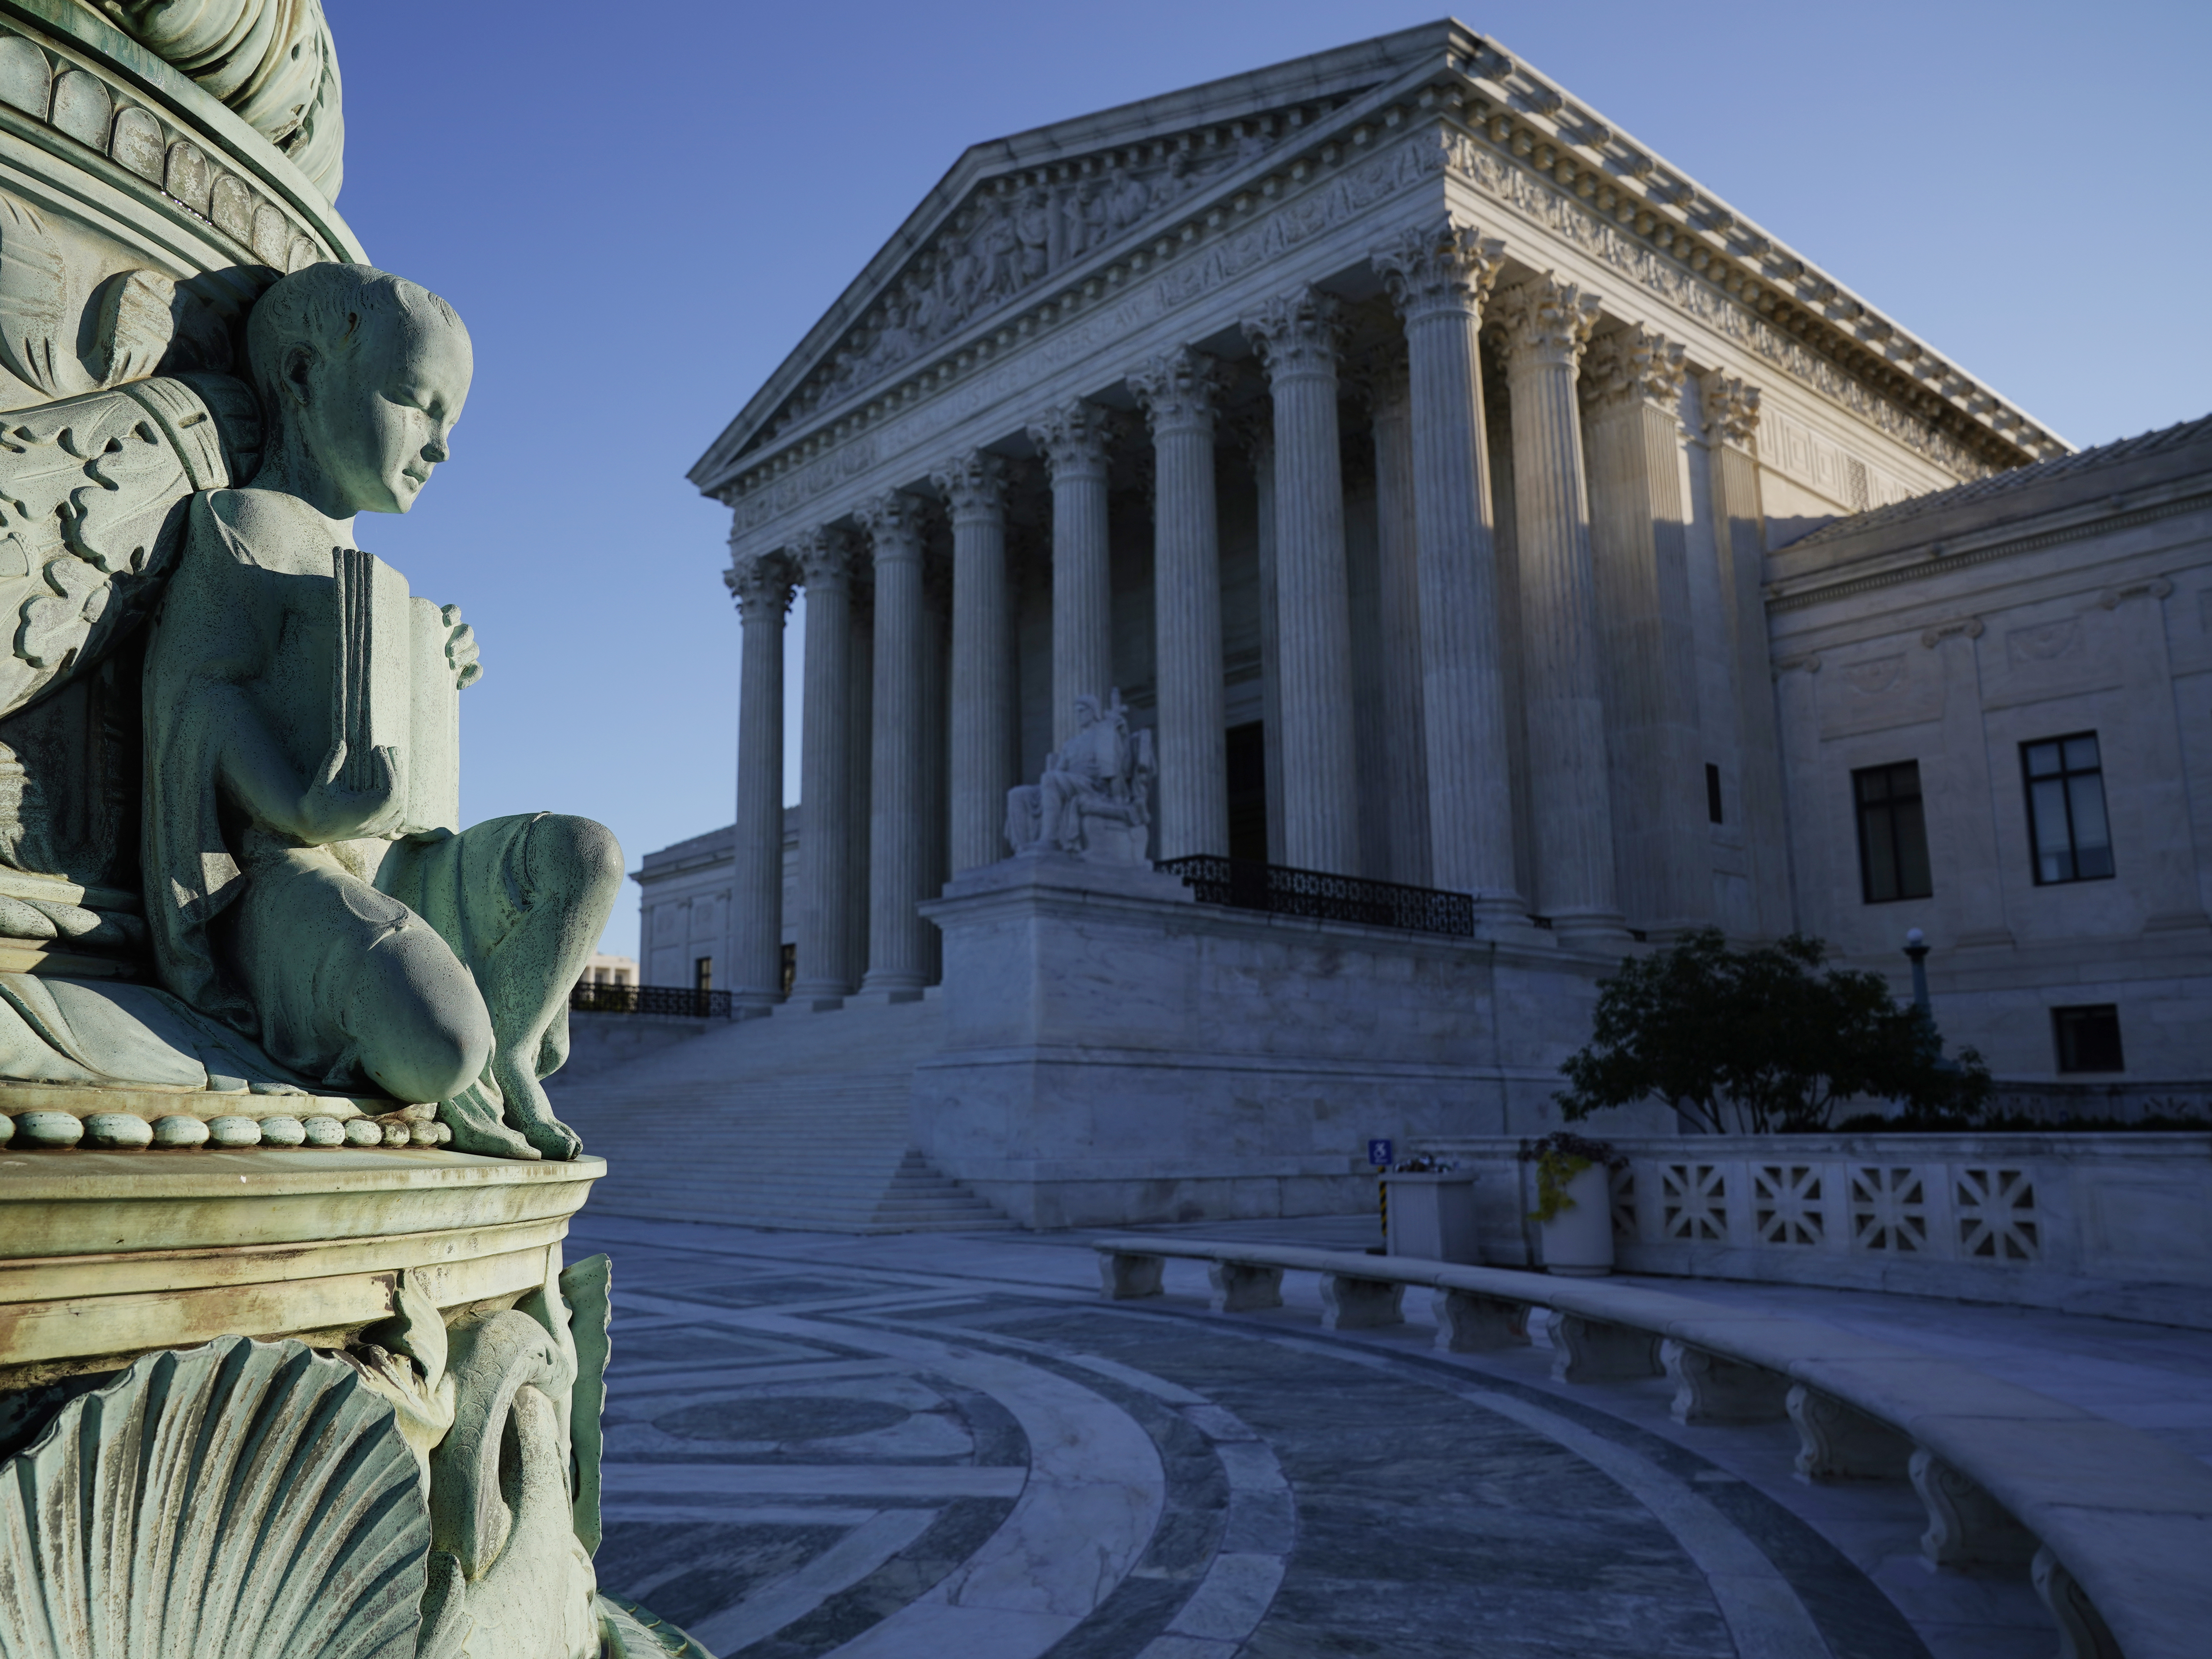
(2115, 1526)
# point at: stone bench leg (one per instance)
(1711, 1389)
(1470, 1323)
(1593, 1351)
(1360, 1305)
(1126, 1277)
(1836, 1443)
(2083, 1632)
(1967, 1527)
(1239, 1287)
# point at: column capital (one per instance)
(760, 583)
(894, 523)
(1442, 267)
(1075, 438)
(1297, 333)
(1548, 318)
(1176, 390)
(1633, 365)
(1731, 407)
(824, 556)
(974, 482)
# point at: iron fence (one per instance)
(678, 999)
(1278, 890)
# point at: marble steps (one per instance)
(795, 1122)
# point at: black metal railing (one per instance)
(1249, 884)
(679, 999)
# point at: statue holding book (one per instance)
(308, 879)
(314, 920)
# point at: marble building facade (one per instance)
(1415, 451)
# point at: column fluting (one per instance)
(1547, 322)
(1730, 409)
(824, 559)
(1075, 438)
(898, 798)
(762, 586)
(1632, 390)
(1177, 392)
(1438, 277)
(1298, 336)
(1405, 757)
(1257, 429)
(983, 729)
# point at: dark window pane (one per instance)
(2042, 759)
(1892, 832)
(1913, 878)
(1881, 856)
(2086, 796)
(2087, 1039)
(2082, 753)
(2054, 851)
(1713, 791)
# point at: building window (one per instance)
(1892, 832)
(1713, 793)
(2066, 810)
(702, 974)
(2087, 1039)
(790, 967)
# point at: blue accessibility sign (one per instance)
(1378, 1153)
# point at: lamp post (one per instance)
(1916, 948)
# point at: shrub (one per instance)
(1760, 1041)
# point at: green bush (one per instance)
(1761, 1041)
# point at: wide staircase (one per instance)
(797, 1121)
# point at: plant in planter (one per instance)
(1574, 1208)
(1761, 1042)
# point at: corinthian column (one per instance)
(1074, 438)
(1547, 324)
(1297, 337)
(825, 772)
(1730, 407)
(762, 587)
(1177, 392)
(982, 696)
(897, 947)
(1405, 757)
(1438, 277)
(1632, 388)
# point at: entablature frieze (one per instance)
(1517, 141)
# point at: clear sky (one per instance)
(640, 209)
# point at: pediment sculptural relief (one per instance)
(231, 875)
(1011, 236)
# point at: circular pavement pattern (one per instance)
(875, 1463)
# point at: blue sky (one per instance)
(640, 209)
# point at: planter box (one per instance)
(2119, 1225)
(1432, 1217)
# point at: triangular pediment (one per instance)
(1013, 214)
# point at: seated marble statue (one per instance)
(307, 881)
(1095, 796)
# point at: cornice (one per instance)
(1522, 143)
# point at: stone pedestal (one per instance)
(1432, 1217)
(1115, 1053)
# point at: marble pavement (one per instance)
(906, 1446)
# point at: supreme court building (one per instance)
(1467, 500)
